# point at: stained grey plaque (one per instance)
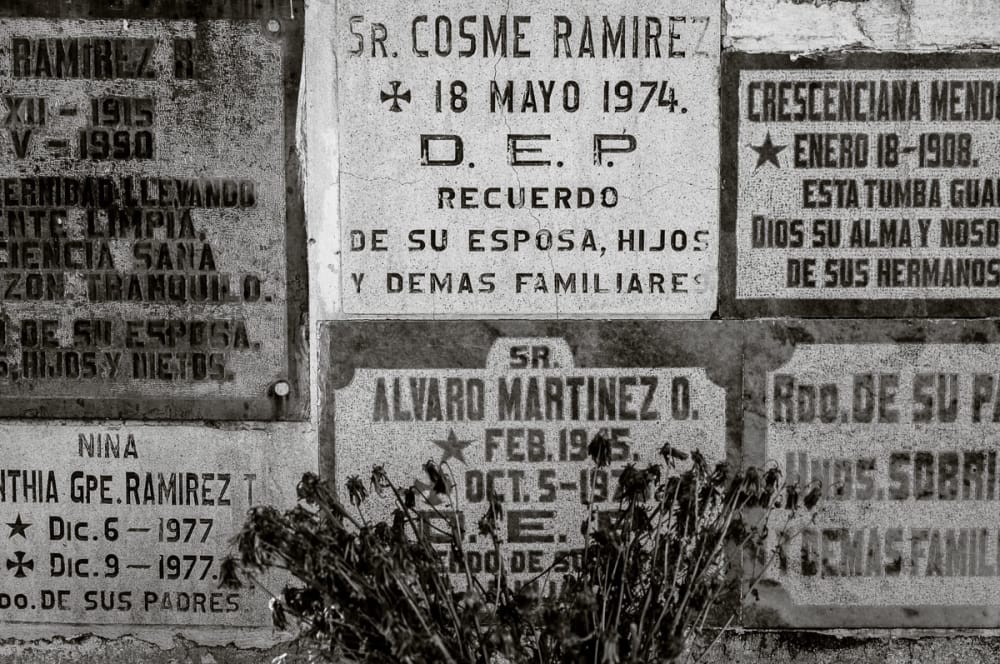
(898, 423)
(528, 158)
(861, 184)
(151, 228)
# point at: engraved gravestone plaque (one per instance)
(510, 408)
(528, 158)
(861, 184)
(128, 526)
(150, 215)
(897, 423)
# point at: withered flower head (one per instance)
(356, 490)
(379, 479)
(434, 475)
(654, 473)
(791, 497)
(600, 449)
(228, 576)
(308, 487)
(771, 478)
(633, 485)
(699, 462)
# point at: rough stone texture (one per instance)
(847, 648)
(804, 26)
(481, 443)
(93, 650)
(293, 446)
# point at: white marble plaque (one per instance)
(129, 525)
(866, 177)
(528, 158)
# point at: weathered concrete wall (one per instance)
(751, 25)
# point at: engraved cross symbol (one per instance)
(395, 96)
(20, 564)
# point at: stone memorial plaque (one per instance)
(152, 259)
(528, 158)
(129, 526)
(861, 184)
(510, 408)
(899, 422)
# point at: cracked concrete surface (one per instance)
(799, 25)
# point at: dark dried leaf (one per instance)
(671, 454)
(813, 495)
(782, 558)
(496, 505)
(398, 524)
(228, 574)
(278, 617)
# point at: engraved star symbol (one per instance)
(767, 152)
(18, 527)
(453, 447)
